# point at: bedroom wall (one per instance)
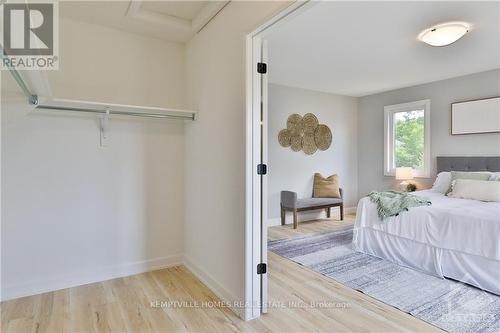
(289, 170)
(73, 212)
(441, 94)
(215, 148)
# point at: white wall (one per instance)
(73, 212)
(107, 65)
(289, 170)
(442, 94)
(215, 146)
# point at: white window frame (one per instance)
(389, 111)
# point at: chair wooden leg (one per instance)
(327, 212)
(295, 222)
(342, 212)
(283, 215)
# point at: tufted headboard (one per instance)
(464, 163)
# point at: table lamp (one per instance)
(405, 174)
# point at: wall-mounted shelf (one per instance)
(103, 109)
(95, 107)
(106, 109)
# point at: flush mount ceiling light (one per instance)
(444, 34)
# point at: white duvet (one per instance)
(464, 225)
(452, 235)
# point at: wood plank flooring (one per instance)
(124, 304)
(287, 231)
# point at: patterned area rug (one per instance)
(447, 304)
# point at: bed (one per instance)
(453, 238)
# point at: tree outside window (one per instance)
(409, 139)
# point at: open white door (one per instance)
(264, 161)
(256, 266)
(258, 176)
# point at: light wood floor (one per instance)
(123, 305)
(287, 231)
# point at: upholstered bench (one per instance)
(290, 202)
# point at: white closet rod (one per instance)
(134, 114)
(116, 109)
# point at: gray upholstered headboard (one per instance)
(464, 163)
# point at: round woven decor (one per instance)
(295, 124)
(296, 142)
(310, 123)
(309, 144)
(323, 137)
(284, 138)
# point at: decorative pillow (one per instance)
(442, 182)
(326, 187)
(468, 175)
(482, 190)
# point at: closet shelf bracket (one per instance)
(103, 128)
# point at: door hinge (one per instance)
(262, 169)
(261, 68)
(261, 268)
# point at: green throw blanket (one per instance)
(391, 203)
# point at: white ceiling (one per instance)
(362, 48)
(175, 21)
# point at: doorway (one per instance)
(256, 264)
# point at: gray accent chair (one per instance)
(290, 202)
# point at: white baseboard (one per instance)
(54, 283)
(307, 216)
(213, 285)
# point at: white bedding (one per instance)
(457, 238)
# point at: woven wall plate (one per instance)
(309, 144)
(296, 142)
(284, 138)
(305, 133)
(310, 123)
(323, 137)
(295, 124)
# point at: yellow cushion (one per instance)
(326, 187)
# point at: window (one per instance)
(407, 137)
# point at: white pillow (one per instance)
(483, 190)
(495, 176)
(442, 182)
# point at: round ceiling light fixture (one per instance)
(444, 34)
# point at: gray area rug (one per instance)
(447, 304)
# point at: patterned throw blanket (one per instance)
(391, 203)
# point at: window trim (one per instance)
(389, 111)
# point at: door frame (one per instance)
(256, 292)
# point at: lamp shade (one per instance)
(404, 173)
